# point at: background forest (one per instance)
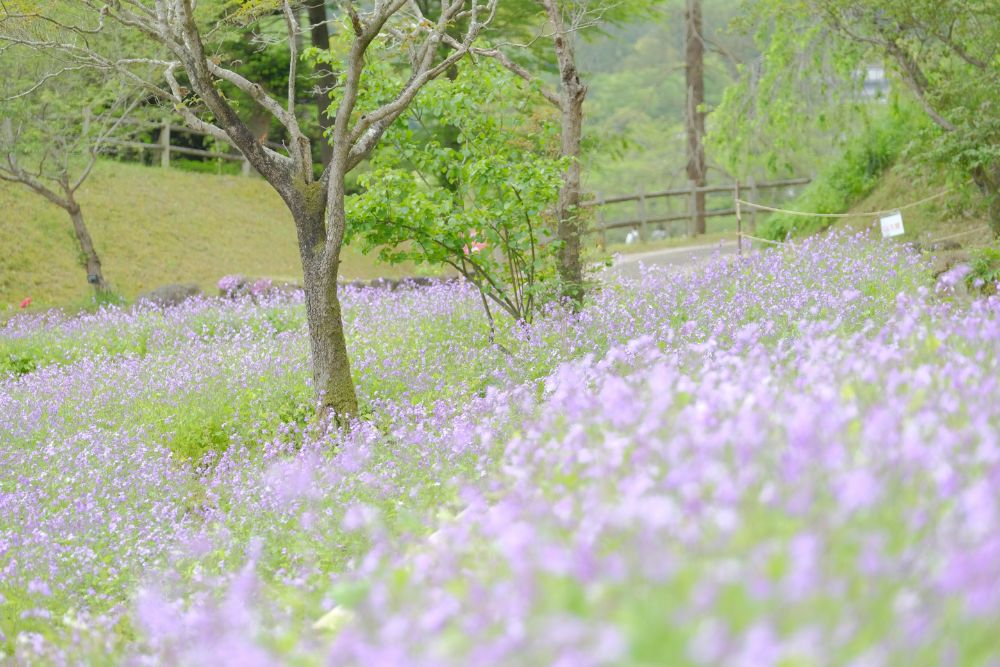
(638, 94)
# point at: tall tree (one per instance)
(638, 94)
(183, 30)
(563, 23)
(571, 94)
(694, 108)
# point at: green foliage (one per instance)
(942, 52)
(245, 11)
(53, 125)
(976, 145)
(17, 364)
(383, 76)
(799, 97)
(637, 94)
(853, 175)
(478, 204)
(985, 273)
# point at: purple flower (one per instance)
(261, 287)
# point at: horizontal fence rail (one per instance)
(642, 219)
(165, 148)
(181, 150)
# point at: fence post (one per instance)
(755, 199)
(739, 219)
(217, 149)
(692, 209)
(600, 222)
(165, 145)
(643, 231)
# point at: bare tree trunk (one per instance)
(572, 93)
(95, 276)
(332, 379)
(694, 117)
(994, 212)
(331, 367)
(320, 36)
(570, 268)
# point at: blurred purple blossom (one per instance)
(806, 469)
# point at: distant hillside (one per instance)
(153, 227)
(637, 92)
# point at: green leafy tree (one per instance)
(187, 74)
(560, 25)
(945, 52)
(481, 204)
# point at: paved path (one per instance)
(628, 264)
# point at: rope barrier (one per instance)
(864, 214)
(757, 238)
(967, 232)
(955, 236)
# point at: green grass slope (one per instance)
(153, 227)
(959, 211)
(880, 169)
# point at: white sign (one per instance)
(892, 224)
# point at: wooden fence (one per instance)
(164, 149)
(642, 220)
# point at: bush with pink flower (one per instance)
(231, 285)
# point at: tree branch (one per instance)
(502, 58)
(370, 128)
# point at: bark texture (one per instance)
(994, 208)
(572, 93)
(331, 366)
(330, 363)
(92, 262)
(569, 232)
(694, 118)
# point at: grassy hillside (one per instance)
(960, 210)
(153, 227)
(881, 169)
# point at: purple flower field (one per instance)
(793, 459)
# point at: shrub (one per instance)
(985, 270)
